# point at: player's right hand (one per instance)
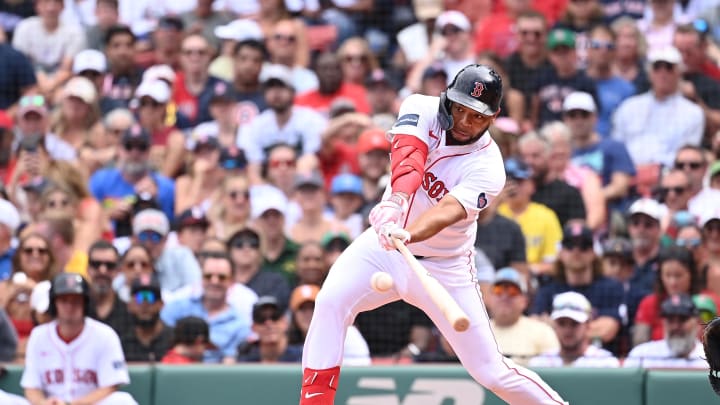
(391, 210)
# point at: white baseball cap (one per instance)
(579, 100)
(159, 72)
(571, 305)
(649, 207)
(151, 219)
(158, 90)
(453, 17)
(81, 88)
(264, 198)
(89, 59)
(239, 30)
(277, 72)
(668, 54)
(713, 214)
(201, 134)
(9, 215)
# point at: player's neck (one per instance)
(69, 331)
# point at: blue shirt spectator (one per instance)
(611, 92)
(605, 158)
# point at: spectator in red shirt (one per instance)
(496, 32)
(331, 87)
(191, 337)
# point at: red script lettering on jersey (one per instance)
(434, 187)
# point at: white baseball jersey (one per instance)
(71, 370)
(594, 357)
(474, 176)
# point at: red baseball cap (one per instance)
(372, 139)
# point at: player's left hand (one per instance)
(389, 231)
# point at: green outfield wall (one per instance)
(397, 385)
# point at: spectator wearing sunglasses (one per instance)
(33, 120)
(648, 123)
(283, 49)
(245, 252)
(612, 89)
(643, 224)
(581, 16)
(106, 305)
(228, 327)
(692, 160)
(579, 269)
(519, 337)
(674, 193)
(118, 188)
(147, 338)
(176, 265)
(270, 325)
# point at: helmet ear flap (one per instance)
(444, 116)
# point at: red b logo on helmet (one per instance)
(478, 90)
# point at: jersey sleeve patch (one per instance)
(407, 119)
(482, 201)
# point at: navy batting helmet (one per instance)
(66, 284)
(476, 86)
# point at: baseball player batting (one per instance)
(74, 359)
(445, 168)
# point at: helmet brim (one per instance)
(459, 97)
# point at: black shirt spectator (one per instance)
(388, 329)
(135, 350)
(524, 78)
(502, 241)
(16, 75)
(119, 318)
(564, 199)
(552, 89)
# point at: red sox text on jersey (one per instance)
(57, 376)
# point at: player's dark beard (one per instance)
(145, 323)
(451, 140)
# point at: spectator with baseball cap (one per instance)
(244, 248)
(302, 305)
(538, 223)
(680, 346)
(231, 34)
(270, 325)
(269, 207)
(119, 188)
(224, 116)
(657, 142)
(563, 78)
(710, 224)
(204, 173)
(346, 202)
(312, 223)
(334, 243)
(282, 122)
(434, 80)
(373, 150)
(382, 90)
(617, 259)
(571, 317)
(147, 338)
(644, 217)
(519, 337)
(579, 269)
(191, 226)
(33, 119)
(168, 143)
(190, 340)
(92, 65)
(176, 266)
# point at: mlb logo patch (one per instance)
(482, 201)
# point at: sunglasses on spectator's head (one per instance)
(145, 296)
(688, 243)
(34, 100)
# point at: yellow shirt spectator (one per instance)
(541, 229)
(78, 263)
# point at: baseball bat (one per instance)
(439, 295)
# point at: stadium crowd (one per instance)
(201, 163)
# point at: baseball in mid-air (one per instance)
(381, 281)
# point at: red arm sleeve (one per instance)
(407, 163)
